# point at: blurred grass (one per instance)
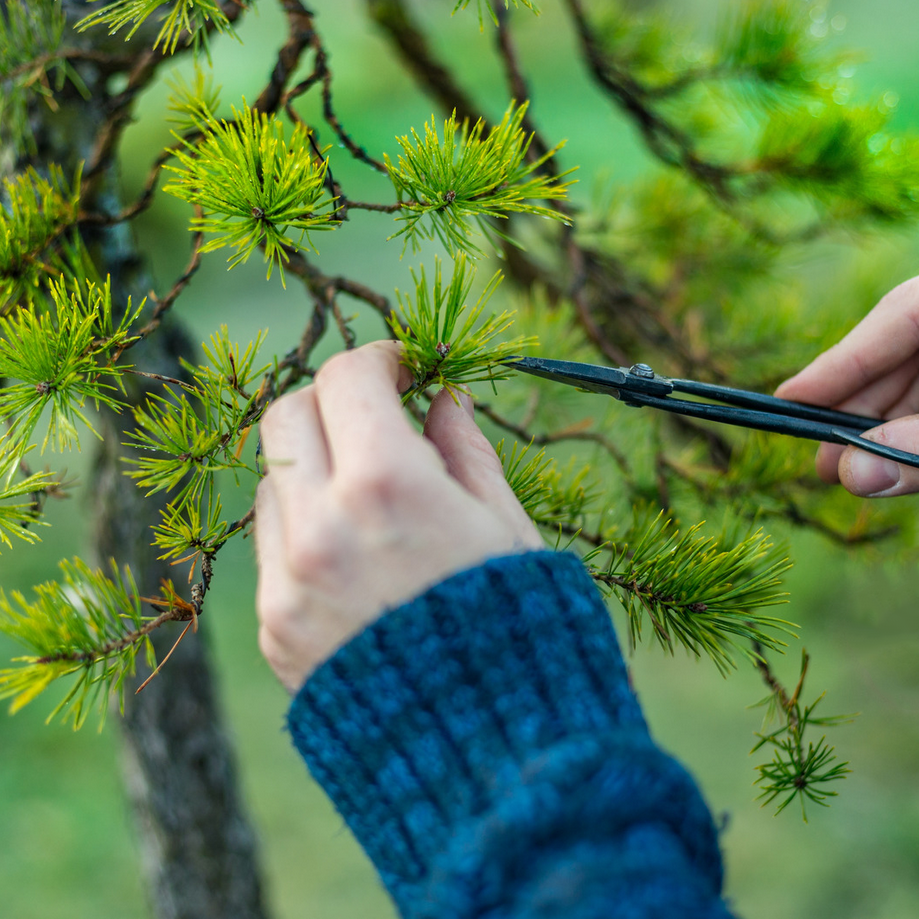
(68, 847)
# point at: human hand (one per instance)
(873, 371)
(359, 513)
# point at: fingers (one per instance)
(884, 340)
(872, 476)
(358, 398)
(472, 461)
(293, 439)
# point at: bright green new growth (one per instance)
(36, 211)
(487, 5)
(89, 624)
(17, 519)
(448, 187)
(188, 18)
(190, 529)
(60, 359)
(195, 432)
(446, 343)
(252, 186)
(698, 593)
(549, 495)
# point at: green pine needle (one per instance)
(548, 495)
(447, 343)
(484, 5)
(697, 593)
(799, 768)
(31, 67)
(187, 437)
(36, 212)
(189, 18)
(88, 624)
(189, 530)
(448, 187)
(59, 360)
(18, 518)
(252, 185)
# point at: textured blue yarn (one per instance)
(484, 746)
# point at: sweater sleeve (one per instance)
(484, 746)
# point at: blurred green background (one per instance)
(68, 850)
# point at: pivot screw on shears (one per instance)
(642, 370)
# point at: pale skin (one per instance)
(360, 512)
(873, 371)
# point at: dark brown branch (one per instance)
(116, 644)
(432, 75)
(519, 90)
(300, 36)
(522, 433)
(121, 106)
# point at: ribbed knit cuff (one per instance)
(442, 708)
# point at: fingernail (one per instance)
(872, 475)
(466, 402)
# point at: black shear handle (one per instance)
(754, 400)
(827, 432)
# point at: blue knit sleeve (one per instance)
(483, 744)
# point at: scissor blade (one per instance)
(611, 381)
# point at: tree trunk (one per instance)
(199, 852)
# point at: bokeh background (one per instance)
(67, 849)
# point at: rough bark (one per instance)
(199, 851)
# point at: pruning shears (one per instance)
(639, 385)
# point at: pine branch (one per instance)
(447, 187)
(195, 433)
(252, 186)
(37, 213)
(446, 343)
(61, 359)
(89, 625)
(797, 770)
(552, 497)
(187, 22)
(698, 593)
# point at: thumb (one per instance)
(472, 461)
(872, 476)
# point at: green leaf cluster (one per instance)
(449, 186)
(190, 529)
(486, 5)
(19, 518)
(698, 592)
(31, 67)
(88, 624)
(799, 768)
(445, 342)
(36, 213)
(189, 435)
(186, 18)
(58, 360)
(550, 495)
(252, 185)
(764, 119)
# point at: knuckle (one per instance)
(341, 364)
(377, 489)
(312, 556)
